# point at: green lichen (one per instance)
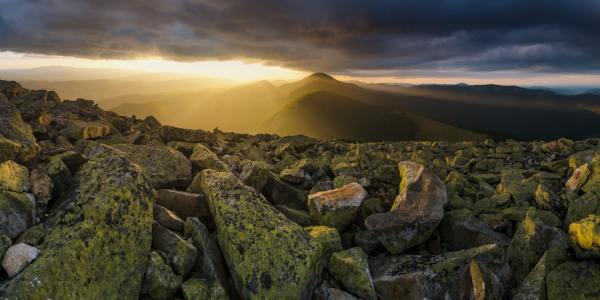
(14, 177)
(159, 281)
(201, 289)
(351, 268)
(586, 233)
(247, 225)
(328, 237)
(97, 246)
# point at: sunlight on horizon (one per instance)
(232, 69)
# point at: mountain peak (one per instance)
(320, 75)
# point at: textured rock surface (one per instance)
(17, 257)
(14, 177)
(336, 208)
(102, 232)
(574, 280)
(165, 167)
(351, 268)
(160, 283)
(17, 213)
(16, 137)
(247, 225)
(415, 213)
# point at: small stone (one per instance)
(336, 208)
(350, 267)
(18, 257)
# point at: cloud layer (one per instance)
(334, 36)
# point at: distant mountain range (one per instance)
(323, 107)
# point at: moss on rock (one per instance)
(247, 225)
(101, 235)
(574, 280)
(351, 268)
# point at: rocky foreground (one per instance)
(98, 206)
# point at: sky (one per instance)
(553, 42)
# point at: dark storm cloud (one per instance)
(333, 35)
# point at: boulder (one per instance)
(202, 158)
(167, 219)
(461, 230)
(586, 233)
(165, 167)
(336, 208)
(180, 253)
(328, 237)
(580, 208)
(17, 257)
(17, 213)
(247, 225)
(183, 204)
(102, 232)
(60, 175)
(351, 268)
(415, 213)
(202, 289)
(279, 192)
(34, 236)
(528, 245)
(301, 217)
(78, 130)
(578, 179)
(16, 137)
(250, 172)
(14, 177)
(445, 276)
(170, 133)
(160, 283)
(41, 187)
(592, 185)
(573, 280)
(33, 104)
(209, 262)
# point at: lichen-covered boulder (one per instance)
(202, 289)
(14, 177)
(33, 236)
(299, 216)
(279, 192)
(528, 245)
(574, 280)
(165, 167)
(247, 225)
(336, 208)
(102, 232)
(16, 137)
(514, 184)
(17, 257)
(41, 187)
(415, 277)
(586, 233)
(351, 268)
(415, 213)
(328, 237)
(588, 204)
(250, 172)
(592, 185)
(5, 243)
(180, 253)
(77, 130)
(160, 283)
(202, 158)
(17, 213)
(170, 133)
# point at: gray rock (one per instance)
(16, 137)
(168, 219)
(416, 212)
(183, 204)
(160, 283)
(17, 213)
(18, 257)
(336, 208)
(180, 253)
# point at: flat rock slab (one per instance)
(269, 256)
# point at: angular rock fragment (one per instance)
(77, 130)
(183, 204)
(41, 187)
(202, 158)
(17, 257)
(202, 289)
(586, 233)
(351, 268)
(16, 137)
(160, 283)
(298, 216)
(168, 219)
(279, 192)
(416, 211)
(461, 230)
(165, 167)
(170, 133)
(17, 213)
(180, 253)
(573, 280)
(247, 225)
(336, 208)
(578, 179)
(328, 237)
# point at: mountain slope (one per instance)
(328, 115)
